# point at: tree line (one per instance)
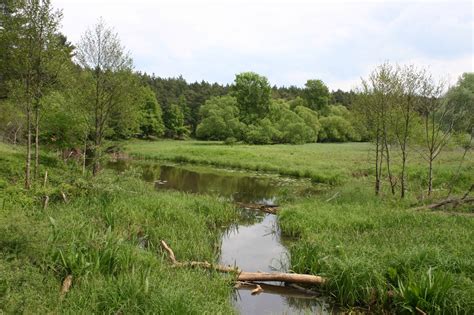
(81, 96)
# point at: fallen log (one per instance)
(247, 276)
(280, 277)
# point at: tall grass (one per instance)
(107, 237)
(377, 254)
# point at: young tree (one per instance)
(438, 122)
(31, 29)
(375, 103)
(107, 82)
(151, 122)
(175, 126)
(461, 99)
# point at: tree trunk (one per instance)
(389, 171)
(15, 135)
(377, 177)
(403, 183)
(282, 277)
(247, 276)
(84, 157)
(37, 113)
(28, 149)
(96, 157)
(430, 176)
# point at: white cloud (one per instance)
(289, 41)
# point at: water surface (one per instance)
(254, 243)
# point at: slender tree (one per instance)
(108, 77)
(375, 104)
(30, 29)
(438, 122)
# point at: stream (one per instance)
(254, 243)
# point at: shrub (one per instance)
(337, 129)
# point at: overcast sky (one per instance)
(287, 41)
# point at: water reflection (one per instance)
(258, 247)
(254, 243)
(231, 185)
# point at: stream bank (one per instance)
(254, 243)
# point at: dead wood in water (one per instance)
(272, 209)
(291, 290)
(200, 264)
(281, 277)
(247, 276)
(258, 289)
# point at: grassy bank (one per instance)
(106, 237)
(328, 163)
(377, 252)
(331, 163)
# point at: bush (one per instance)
(337, 129)
(230, 141)
(220, 119)
(262, 133)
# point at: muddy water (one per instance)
(254, 243)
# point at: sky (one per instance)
(289, 42)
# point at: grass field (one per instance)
(377, 252)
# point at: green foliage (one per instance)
(62, 125)
(461, 97)
(433, 292)
(125, 113)
(230, 141)
(220, 119)
(336, 129)
(316, 94)
(281, 125)
(151, 122)
(11, 121)
(310, 119)
(107, 237)
(175, 122)
(292, 128)
(262, 133)
(252, 92)
(377, 254)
